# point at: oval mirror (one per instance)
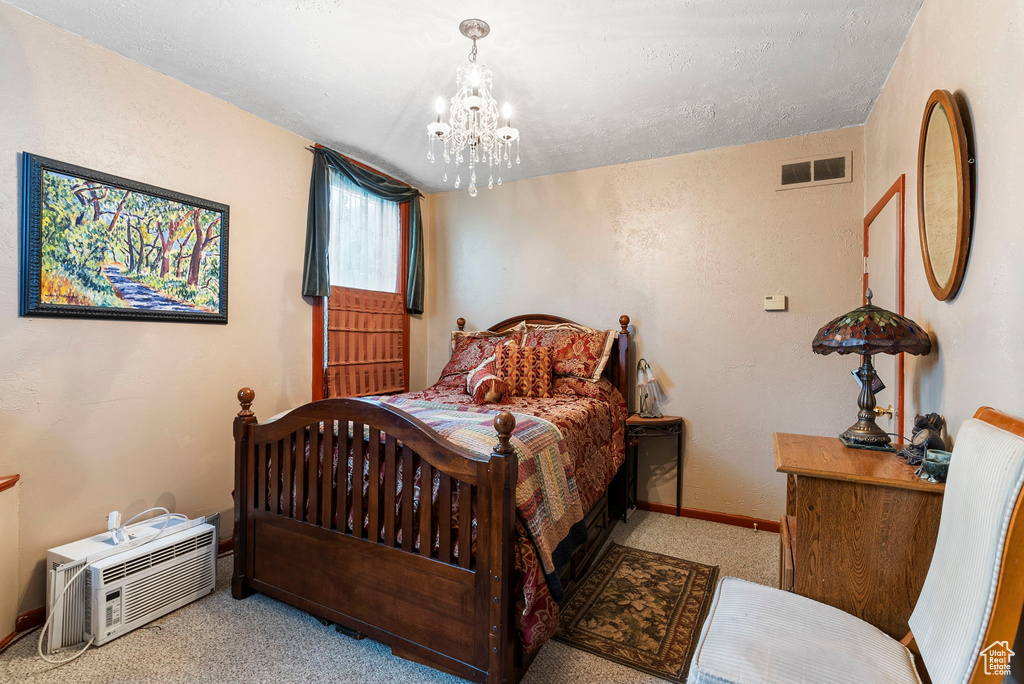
(943, 195)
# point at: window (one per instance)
(360, 331)
(366, 236)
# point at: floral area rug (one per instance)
(640, 609)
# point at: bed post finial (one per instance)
(461, 323)
(245, 398)
(624, 322)
(504, 423)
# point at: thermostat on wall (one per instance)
(775, 302)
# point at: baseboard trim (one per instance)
(30, 619)
(6, 640)
(712, 516)
(225, 546)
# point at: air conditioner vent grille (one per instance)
(812, 171)
(829, 169)
(799, 172)
(74, 609)
(149, 594)
(158, 557)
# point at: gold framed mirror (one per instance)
(943, 195)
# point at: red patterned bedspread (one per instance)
(592, 418)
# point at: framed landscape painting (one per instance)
(101, 246)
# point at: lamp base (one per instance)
(860, 445)
(865, 433)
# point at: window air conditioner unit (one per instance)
(122, 591)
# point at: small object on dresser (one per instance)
(647, 390)
(927, 435)
(935, 465)
(869, 330)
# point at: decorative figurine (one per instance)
(927, 434)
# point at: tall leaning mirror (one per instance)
(943, 195)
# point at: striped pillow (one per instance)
(483, 383)
(525, 370)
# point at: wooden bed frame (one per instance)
(455, 614)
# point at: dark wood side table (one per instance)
(637, 427)
(859, 528)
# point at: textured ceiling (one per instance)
(592, 82)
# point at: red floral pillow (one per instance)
(525, 370)
(575, 351)
(469, 349)
(484, 385)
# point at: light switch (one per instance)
(775, 302)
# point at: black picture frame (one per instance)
(141, 302)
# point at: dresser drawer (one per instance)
(597, 524)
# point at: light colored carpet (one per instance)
(218, 639)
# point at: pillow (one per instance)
(469, 349)
(525, 370)
(515, 332)
(483, 383)
(575, 351)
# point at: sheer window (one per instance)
(365, 324)
(366, 236)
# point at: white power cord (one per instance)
(120, 535)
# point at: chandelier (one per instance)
(475, 131)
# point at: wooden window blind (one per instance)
(365, 337)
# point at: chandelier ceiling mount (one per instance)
(474, 29)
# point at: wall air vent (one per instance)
(820, 170)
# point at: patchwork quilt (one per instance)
(547, 498)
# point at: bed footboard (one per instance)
(372, 562)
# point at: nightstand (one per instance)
(637, 428)
(859, 528)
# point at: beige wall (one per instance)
(688, 246)
(9, 499)
(977, 49)
(104, 415)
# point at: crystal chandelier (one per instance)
(474, 132)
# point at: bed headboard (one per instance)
(617, 371)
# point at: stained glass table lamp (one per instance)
(867, 331)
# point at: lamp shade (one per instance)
(647, 390)
(871, 330)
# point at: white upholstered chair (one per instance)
(972, 596)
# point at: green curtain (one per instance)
(315, 278)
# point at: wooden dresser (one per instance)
(859, 528)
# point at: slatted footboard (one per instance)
(408, 575)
